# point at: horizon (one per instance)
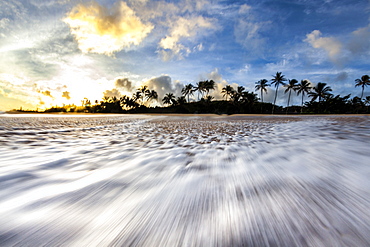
(59, 52)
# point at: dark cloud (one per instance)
(125, 84)
(360, 41)
(47, 93)
(164, 84)
(66, 95)
(341, 76)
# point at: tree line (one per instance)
(236, 100)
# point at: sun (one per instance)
(76, 80)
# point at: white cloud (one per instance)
(248, 29)
(244, 9)
(332, 46)
(189, 28)
(220, 83)
(354, 47)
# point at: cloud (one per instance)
(170, 46)
(354, 47)
(164, 84)
(332, 46)
(244, 9)
(18, 88)
(47, 93)
(248, 29)
(342, 76)
(100, 30)
(66, 95)
(125, 84)
(359, 43)
(220, 83)
(112, 93)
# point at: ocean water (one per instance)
(140, 180)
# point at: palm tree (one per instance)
(188, 90)
(363, 82)
(292, 85)
(262, 85)
(137, 96)
(209, 85)
(143, 89)
(169, 99)
(143, 94)
(152, 94)
(236, 95)
(277, 80)
(227, 90)
(200, 88)
(181, 100)
(106, 99)
(128, 102)
(303, 87)
(320, 91)
(209, 98)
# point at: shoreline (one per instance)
(173, 114)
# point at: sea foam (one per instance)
(137, 180)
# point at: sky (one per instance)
(58, 52)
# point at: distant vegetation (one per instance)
(236, 100)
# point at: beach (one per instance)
(184, 180)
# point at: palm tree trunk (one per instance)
(362, 93)
(261, 95)
(290, 91)
(273, 106)
(262, 100)
(302, 102)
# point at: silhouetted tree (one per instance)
(303, 88)
(200, 87)
(209, 98)
(128, 103)
(367, 103)
(106, 99)
(249, 97)
(137, 96)
(363, 82)
(209, 85)
(292, 85)
(236, 95)
(320, 91)
(277, 80)
(181, 100)
(262, 85)
(188, 90)
(169, 99)
(152, 95)
(227, 91)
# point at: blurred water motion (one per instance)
(184, 181)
